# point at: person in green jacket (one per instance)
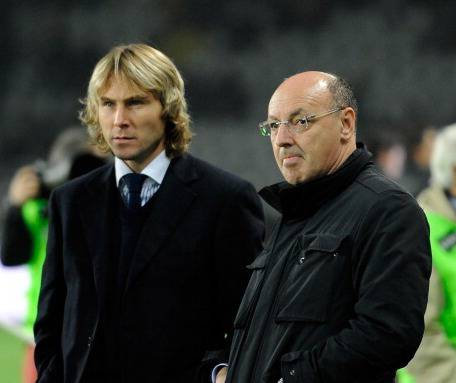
(435, 360)
(25, 225)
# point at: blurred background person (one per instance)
(388, 152)
(25, 225)
(419, 148)
(435, 360)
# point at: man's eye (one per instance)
(274, 125)
(300, 122)
(107, 103)
(135, 102)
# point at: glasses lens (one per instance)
(299, 124)
(265, 129)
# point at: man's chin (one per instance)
(294, 178)
(290, 175)
(125, 155)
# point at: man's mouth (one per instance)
(122, 138)
(290, 159)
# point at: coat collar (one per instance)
(302, 200)
(95, 208)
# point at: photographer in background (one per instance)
(26, 223)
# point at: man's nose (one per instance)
(283, 137)
(120, 116)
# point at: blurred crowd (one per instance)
(403, 158)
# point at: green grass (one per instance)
(11, 354)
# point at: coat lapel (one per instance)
(174, 198)
(97, 213)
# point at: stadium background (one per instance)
(400, 55)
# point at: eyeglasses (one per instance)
(296, 125)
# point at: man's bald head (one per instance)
(338, 88)
(309, 79)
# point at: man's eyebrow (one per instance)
(295, 113)
(137, 97)
(134, 97)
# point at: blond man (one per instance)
(145, 262)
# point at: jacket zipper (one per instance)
(273, 306)
(257, 293)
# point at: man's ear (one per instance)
(348, 120)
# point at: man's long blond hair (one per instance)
(151, 71)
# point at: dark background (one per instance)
(399, 55)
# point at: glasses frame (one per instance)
(266, 130)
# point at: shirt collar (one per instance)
(156, 169)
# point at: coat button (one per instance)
(301, 260)
(292, 372)
(89, 341)
(336, 254)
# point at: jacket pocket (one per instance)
(253, 289)
(315, 270)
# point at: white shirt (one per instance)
(155, 172)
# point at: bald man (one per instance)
(340, 290)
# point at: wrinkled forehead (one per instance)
(291, 96)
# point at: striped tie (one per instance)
(131, 194)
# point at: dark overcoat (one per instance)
(184, 285)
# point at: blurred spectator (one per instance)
(435, 360)
(388, 153)
(416, 175)
(26, 223)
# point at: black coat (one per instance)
(339, 293)
(185, 283)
